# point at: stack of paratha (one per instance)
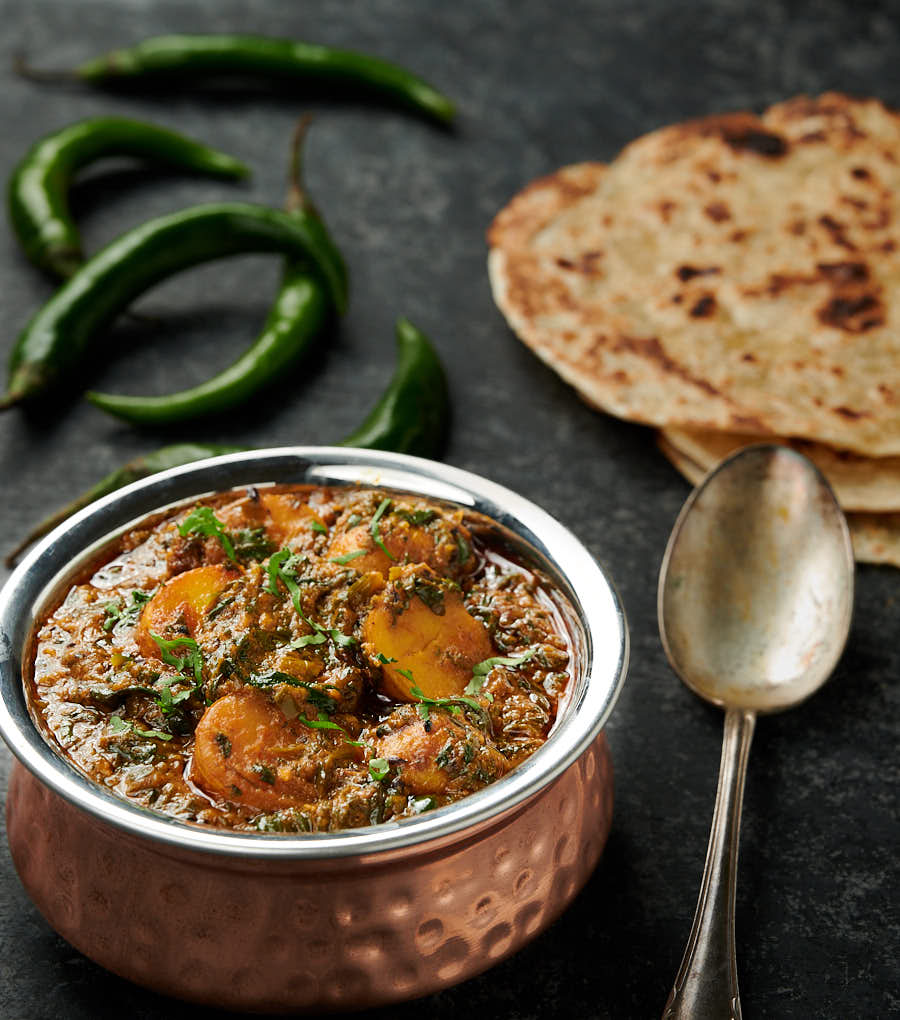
(729, 280)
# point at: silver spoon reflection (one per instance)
(755, 598)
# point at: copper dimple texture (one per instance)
(297, 937)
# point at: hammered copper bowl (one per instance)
(325, 921)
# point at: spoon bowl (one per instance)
(756, 587)
(755, 600)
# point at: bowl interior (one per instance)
(595, 620)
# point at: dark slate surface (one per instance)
(538, 85)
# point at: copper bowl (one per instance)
(323, 921)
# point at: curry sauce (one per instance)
(293, 659)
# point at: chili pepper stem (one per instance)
(297, 197)
(23, 382)
(17, 392)
(24, 70)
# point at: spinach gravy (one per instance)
(295, 659)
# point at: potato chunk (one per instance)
(420, 623)
(405, 543)
(358, 551)
(181, 602)
(410, 534)
(446, 755)
(246, 751)
(289, 516)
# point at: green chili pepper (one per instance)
(54, 341)
(413, 412)
(297, 317)
(182, 56)
(399, 422)
(37, 193)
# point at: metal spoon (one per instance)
(755, 598)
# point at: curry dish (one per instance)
(293, 659)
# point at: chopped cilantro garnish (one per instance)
(481, 669)
(116, 612)
(203, 521)
(113, 615)
(383, 659)
(347, 557)
(108, 697)
(443, 757)
(272, 678)
(422, 707)
(223, 603)
(474, 687)
(452, 705)
(463, 549)
(119, 725)
(314, 695)
(138, 600)
(168, 701)
(252, 544)
(193, 659)
(264, 773)
(383, 506)
(291, 820)
(321, 723)
(282, 567)
(431, 594)
(378, 768)
(319, 527)
(417, 517)
(155, 734)
(316, 638)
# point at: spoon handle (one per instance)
(706, 987)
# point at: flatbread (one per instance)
(736, 273)
(682, 463)
(860, 483)
(875, 536)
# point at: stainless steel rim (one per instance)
(596, 604)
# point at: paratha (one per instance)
(736, 273)
(875, 536)
(860, 483)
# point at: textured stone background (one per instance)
(818, 932)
